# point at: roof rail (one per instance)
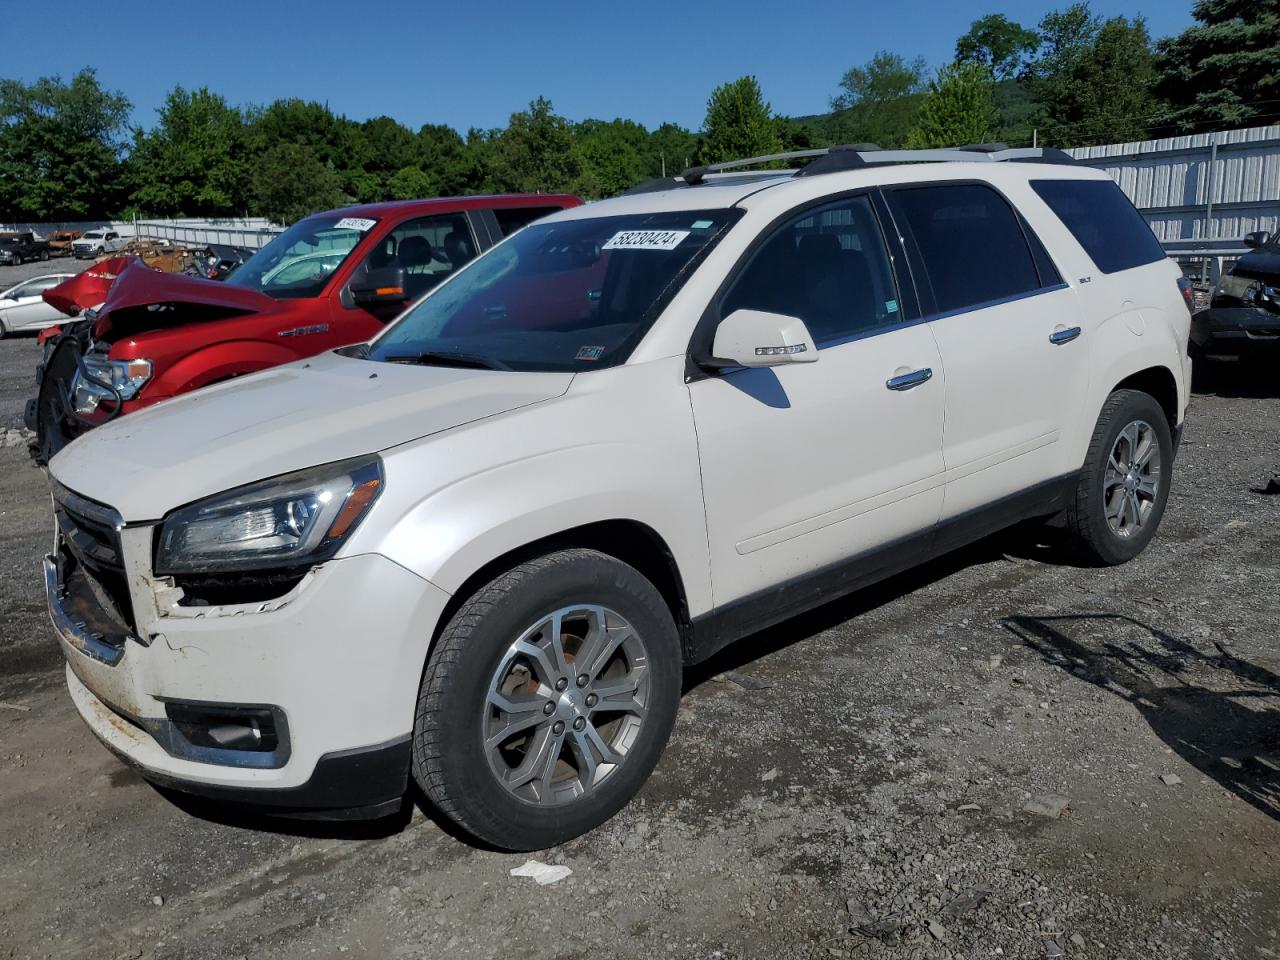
(856, 156)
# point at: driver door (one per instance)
(809, 465)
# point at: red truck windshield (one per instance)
(299, 262)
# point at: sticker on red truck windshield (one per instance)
(645, 240)
(354, 223)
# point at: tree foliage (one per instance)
(60, 148)
(739, 123)
(534, 154)
(67, 151)
(878, 102)
(999, 44)
(1223, 71)
(193, 161)
(291, 180)
(959, 109)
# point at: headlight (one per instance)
(297, 519)
(127, 376)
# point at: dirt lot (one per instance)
(854, 787)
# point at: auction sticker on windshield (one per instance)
(645, 240)
(354, 223)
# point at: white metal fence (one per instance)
(251, 232)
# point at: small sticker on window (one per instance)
(645, 240)
(891, 306)
(354, 223)
(700, 225)
(589, 353)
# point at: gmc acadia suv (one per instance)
(479, 549)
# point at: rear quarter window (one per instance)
(1103, 221)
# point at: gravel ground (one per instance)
(999, 754)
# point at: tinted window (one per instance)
(513, 218)
(828, 267)
(970, 241)
(1104, 222)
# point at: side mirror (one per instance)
(755, 338)
(1258, 238)
(384, 285)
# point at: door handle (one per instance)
(908, 380)
(1059, 337)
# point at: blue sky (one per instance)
(472, 64)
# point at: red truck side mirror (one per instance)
(384, 285)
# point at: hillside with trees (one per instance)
(69, 152)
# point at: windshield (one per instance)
(575, 295)
(299, 262)
(93, 236)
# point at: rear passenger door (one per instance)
(1009, 332)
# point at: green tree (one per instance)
(60, 148)
(739, 123)
(193, 161)
(1065, 35)
(1222, 71)
(958, 110)
(290, 180)
(612, 155)
(878, 102)
(998, 43)
(671, 149)
(534, 154)
(444, 156)
(1106, 95)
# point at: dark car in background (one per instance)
(1242, 321)
(19, 248)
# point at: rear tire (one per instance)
(1124, 485)
(547, 700)
(44, 255)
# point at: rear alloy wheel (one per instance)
(1124, 486)
(547, 700)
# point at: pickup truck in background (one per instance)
(330, 280)
(19, 248)
(97, 243)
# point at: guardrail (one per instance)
(199, 234)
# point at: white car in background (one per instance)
(23, 308)
(95, 243)
(479, 550)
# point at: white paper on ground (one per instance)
(543, 873)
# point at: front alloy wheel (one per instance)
(566, 704)
(547, 699)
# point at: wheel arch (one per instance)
(632, 542)
(1158, 382)
(220, 361)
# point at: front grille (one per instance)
(89, 532)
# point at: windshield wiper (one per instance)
(446, 358)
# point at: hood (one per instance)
(288, 418)
(87, 288)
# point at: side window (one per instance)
(428, 249)
(1103, 221)
(512, 219)
(828, 267)
(970, 240)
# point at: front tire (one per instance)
(1124, 486)
(547, 700)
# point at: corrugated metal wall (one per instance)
(1172, 181)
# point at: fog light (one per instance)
(250, 729)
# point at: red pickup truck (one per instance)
(330, 280)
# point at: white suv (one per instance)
(479, 550)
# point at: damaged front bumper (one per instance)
(302, 706)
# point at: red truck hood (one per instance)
(87, 288)
(124, 284)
